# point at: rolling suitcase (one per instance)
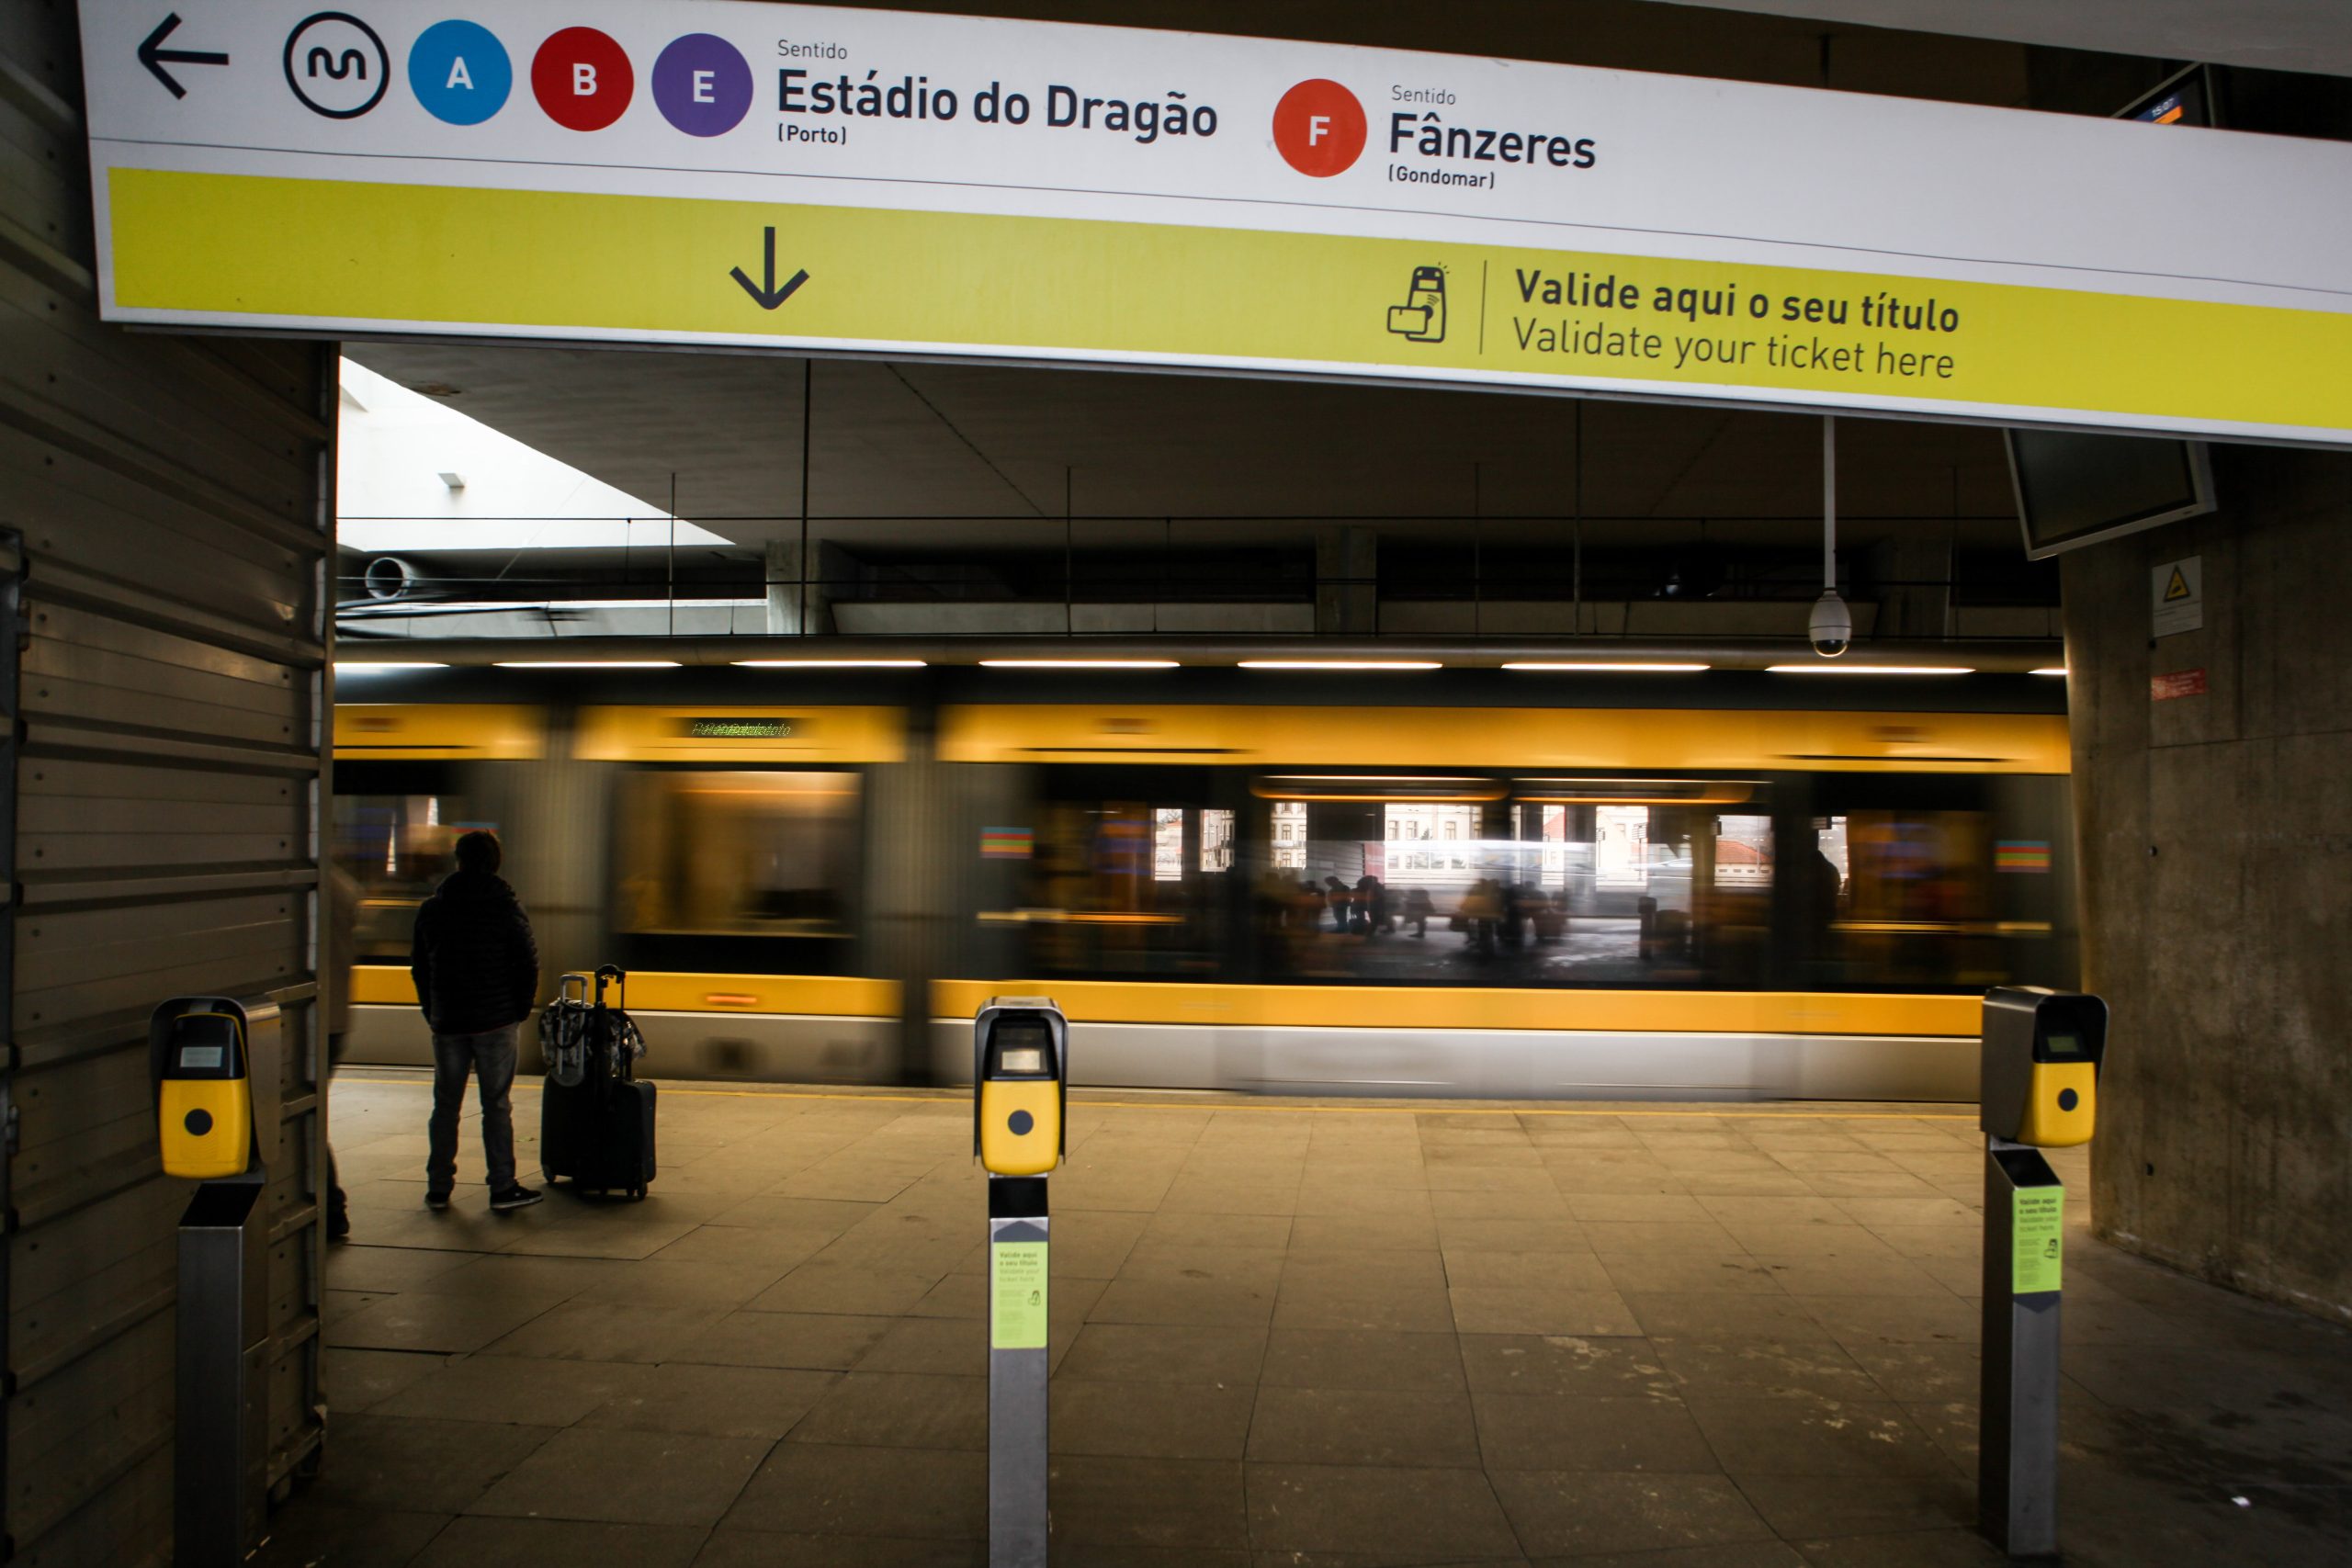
(596, 1118)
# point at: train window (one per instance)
(1742, 853)
(736, 854)
(1132, 885)
(1217, 840)
(1902, 895)
(1168, 844)
(1521, 893)
(1290, 833)
(397, 847)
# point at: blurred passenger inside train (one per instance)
(1482, 913)
(1419, 909)
(1340, 900)
(1371, 917)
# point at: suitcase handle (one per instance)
(565, 988)
(612, 975)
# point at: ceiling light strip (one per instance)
(1080, 664)
(1340, 664)
(1868, 670)
(1599, 668)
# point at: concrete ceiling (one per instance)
(919, 455)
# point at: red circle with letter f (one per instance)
(1319, 128)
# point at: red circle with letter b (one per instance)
(1319, 128)
(582, 79)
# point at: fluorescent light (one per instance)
(2053, 670)
(469, 607)
(1340, 664)
(1826, 669)
(380, 666)
(586, 663)
(1605, 668)
(829, 663)
(1078, 664)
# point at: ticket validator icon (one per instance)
(1421, 317)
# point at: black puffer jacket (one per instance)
(475, 964)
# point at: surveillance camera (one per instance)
(1832, 626)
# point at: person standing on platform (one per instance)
(477, 972)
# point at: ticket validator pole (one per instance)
(1019, 1091)
(2041, 1051)
(216, 1063)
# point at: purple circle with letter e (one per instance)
(702, 85)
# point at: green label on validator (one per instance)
(2037, 1222)
(1017, 1295)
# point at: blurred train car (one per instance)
(1418, 894)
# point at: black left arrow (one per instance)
(154, 56)
(771, 297)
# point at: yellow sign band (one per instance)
(547, 263)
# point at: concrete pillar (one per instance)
(2217, 881)
(1346, 588)
(787, 595)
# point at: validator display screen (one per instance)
(1022, 1046)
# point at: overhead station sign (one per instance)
(709, 173)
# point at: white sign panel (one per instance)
(716, 173)
(2176, 596)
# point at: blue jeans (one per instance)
(490, 1056)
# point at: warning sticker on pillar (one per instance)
(2037, 1231)
(1017, 1286)
(719, 172)
(2176, 596)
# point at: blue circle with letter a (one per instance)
(459, 72)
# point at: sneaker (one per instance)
(515, 1197)
(436, 1200)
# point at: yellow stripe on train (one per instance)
(1295, 1007)
(824, 995)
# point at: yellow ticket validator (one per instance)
(1022, 1047)
(204, 1099)
(2040, 1078)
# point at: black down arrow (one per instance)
(771, 297)
(154, 56)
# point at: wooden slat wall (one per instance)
(170, 496)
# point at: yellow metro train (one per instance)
(1418, 897)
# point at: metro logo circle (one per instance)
(582, 79)
(1319, 128)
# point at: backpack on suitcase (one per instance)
(596, 1118)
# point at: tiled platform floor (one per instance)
(1284, 1332)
